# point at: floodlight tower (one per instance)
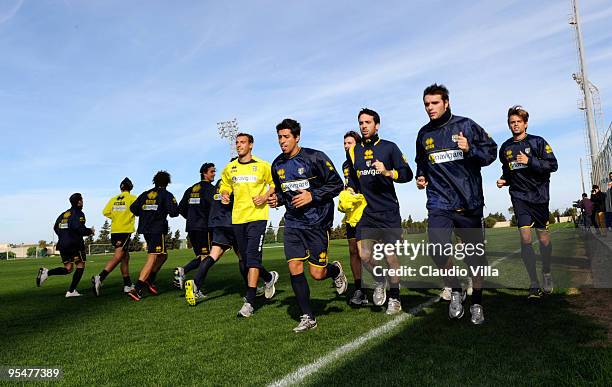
(589, 91)
(229, 130)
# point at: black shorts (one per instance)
(531, 214)
(467, 225)
(307, 244)
(73, 256)
(224, 238)
(351, 231)
(121, 241)
(155, 243)
(384, 227)
(200, 241)
(249, 238)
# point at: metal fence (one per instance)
(603, 162)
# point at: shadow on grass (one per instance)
(521, 343)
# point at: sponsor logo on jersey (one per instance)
(194, 201)
(150, 207)
(281, 173)
(152, 195)
(548, 149)
(516, 165)
(244, 179)
(301, 170)
(368, 172)
(429, 144)
(196, 188)
(455, 138)
(527, 151)
(329, 165)
(446, 156)
(217, 196)
(346, 172)
(119, 208)
(295, 185)
(254, 168)
(63, 226)
(509, 154)
(368, 154)
(67, 214)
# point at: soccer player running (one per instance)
(122, 226)
(223, 239)
(374, 166)
(70, 229)
(450, 151)
(153, 207)
(195, 208)
(352, 204)
(527, 162)
(306, 183)
(250, 180)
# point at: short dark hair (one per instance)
(161, 179)
(290, 124)
(369, 112)
(595, 186)
(355, 135)
(584, 195)
(126, 185)
(75, 198)
(250, 137)
(518, 110)
(436, 89)
(205, 167)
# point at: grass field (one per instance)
(111, 340)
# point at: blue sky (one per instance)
(93, 91)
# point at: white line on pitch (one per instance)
(302, 372)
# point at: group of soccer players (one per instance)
(233, 214)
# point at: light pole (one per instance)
(229, 130)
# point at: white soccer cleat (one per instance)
(306, 324)
(96, 284)
(179, 278)
(477, 314)
(246, 310)
(127, 289)
(42, 276)
(340, 281)
(380, 294)
(359, 299)
(73, 293)
(270, 289)
(445, 294)
(394, 306)
(455, 308)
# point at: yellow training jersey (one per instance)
(352, 205)
(118, 211)
(247, 180)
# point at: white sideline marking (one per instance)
(301, 373)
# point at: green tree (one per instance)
(490, 221)
(168, 240)
(7, 255)
(269, 236)
(176, 241)
(89, 240)
(512, 216)
(280, 234)
(104, 236)
(136, 244)
(31, 252)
